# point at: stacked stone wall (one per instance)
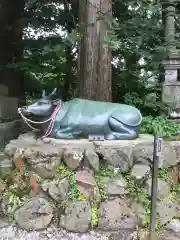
(82, 185)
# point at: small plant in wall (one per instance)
(13, 201)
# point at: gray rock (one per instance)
(77, 217)
(169, 156)
(4, 222)
(4, 206)
(11, 148)
(40, 194)
(115, 215)
(143, 153)
(58, 190)
(2, 156)
(163, 188)
(73, 157)
(2, 188)
(117, 156)
(167, 210)
(36, 214)
(115, 186)
(8, 232)
(29, 137)
(174, 225)
(8, 131)
(175, 145)
(86, 184)
(44, 159)
(140, 212)
(6, 167)
(93, 159)
(139, 171)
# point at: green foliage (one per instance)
(136, 189)
(163, 173)
(94, 216)
(74, 194)
(136, 33)
(161, 126)
(136, 41)
(102, 190)
(105, 171)
(13, 200)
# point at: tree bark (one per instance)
(11, 47)
(94, 68)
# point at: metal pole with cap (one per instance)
(156, 154)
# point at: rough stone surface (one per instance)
(115, 186)
(29, 137)
(167, 210)
(44, 156)
(34, 215)
(87, 185)
(139, 171)
(6, 167)
(140, 212)
(77, 217)
(44, 160)
(73, 157)
(174, 225)
(175, 145)
(117, 156)
(10, 232)
(143, 153)
(8, 131)
(8, 108)
(115, 215)
(58, 190)
(93, 159)
(3, 186)
(163, 188)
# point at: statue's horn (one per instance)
(43, 93)
(53, 92)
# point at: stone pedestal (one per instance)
(171, 84)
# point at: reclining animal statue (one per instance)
(80, 118)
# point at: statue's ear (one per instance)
(53, 92)
(43, 93)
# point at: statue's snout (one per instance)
(24, 110)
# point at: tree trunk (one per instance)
(11, 47)
(94, 68)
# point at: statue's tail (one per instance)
(132, 119)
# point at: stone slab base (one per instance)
(82, 185)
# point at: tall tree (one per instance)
(11, 48)
(94, 68)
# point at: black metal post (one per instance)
(156, 154)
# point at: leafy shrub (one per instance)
(161, 126)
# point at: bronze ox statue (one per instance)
(79, 118)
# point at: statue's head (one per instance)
(44, 107)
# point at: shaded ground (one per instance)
(12, 233)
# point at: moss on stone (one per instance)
(94, 216)
(74, 194)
